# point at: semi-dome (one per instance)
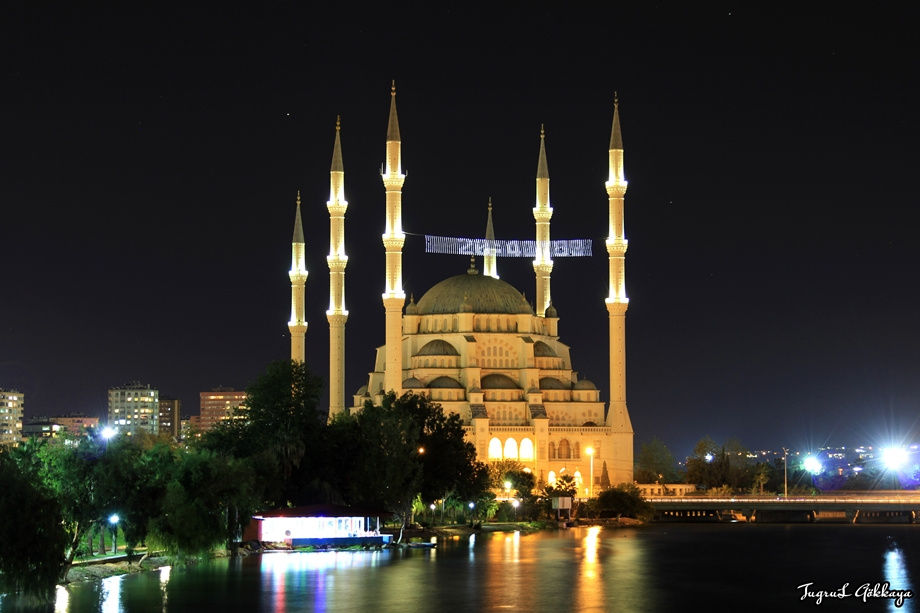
(445, 382)
(585, 384)
(542, 350)
(437, 347)
(498, 381)
(412, 384)
(474, 293)
(551, 383)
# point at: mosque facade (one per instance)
(475, 345)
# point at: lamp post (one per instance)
(590, 452)
(432, 512)
(507, 489)
(515, 504)
(113, 521)
(785, 473)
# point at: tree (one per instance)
(704, 466)
(199, 503)
(624, 500)
(32, 536)
(655, 464)
(82, 478)
(404, 447)
(390, 468)
(279, 430)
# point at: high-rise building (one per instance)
(11, 404)
(169, 416)
(220, 404)
(134, 407)
(474, 344)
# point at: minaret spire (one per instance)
(542, 213)
(617, 302)
(337, 315)
(298, 275)
(489, 266)
(393, 239)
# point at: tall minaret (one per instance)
(617, 302)
(298, 274)
(489, 267)
(542, 213)
(393, 238)
(337, 315)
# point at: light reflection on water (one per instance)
(655, 568)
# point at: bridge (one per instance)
(857, 508)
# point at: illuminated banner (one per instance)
(575, 248)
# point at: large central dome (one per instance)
(473, 293)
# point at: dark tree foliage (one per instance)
(279, 431)
(623, 500)
(32, 535)
(656, 464)
(198, 510)
(403, 448)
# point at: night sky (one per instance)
(151, 160)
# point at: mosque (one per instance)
(475, 345)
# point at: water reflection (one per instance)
(896, 574)
(656, 568)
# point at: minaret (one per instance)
(393, 238)
(298, 274)
(542, 213)
(617, 302)
(489, 267)
(337, 315)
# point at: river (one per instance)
(659, 567)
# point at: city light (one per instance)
(894, 458)
(813, 465)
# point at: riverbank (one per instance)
(90, 570)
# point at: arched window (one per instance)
(511, 449)
(576, 450)
(565, 452)
(578, 478)
(552, 451)
(526, 450)
(551, 477)
(495, 449)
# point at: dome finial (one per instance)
(472, 269)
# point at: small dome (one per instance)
(411, 308)
(585, 384)
(437, 347)
(473, 293)
(533, 390)
(589, 424)
(412, 384)
(445, 382)
(361, 391)
(542, 350)
(551, 311)
(497, 381)
(551, 383)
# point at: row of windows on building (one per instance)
(524, 451)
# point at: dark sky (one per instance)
(151, 158)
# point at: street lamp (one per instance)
(432, 512)
(507, 489)
(515, 504)
(590, 452)
(113, 521)
(785, 473)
